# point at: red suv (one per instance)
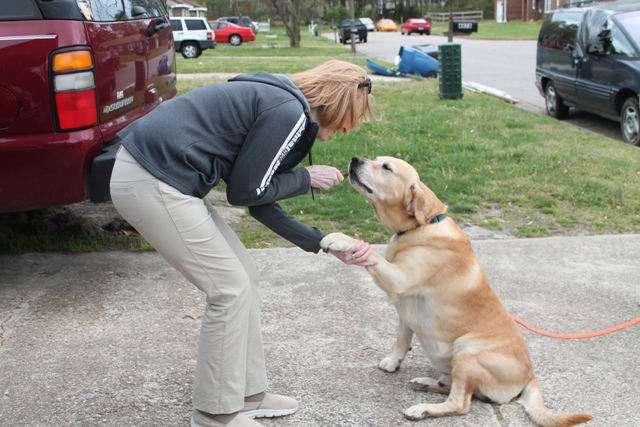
(73, 73)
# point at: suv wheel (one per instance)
(190, 50)
(553, 102)
(630, 122)
(235, 40)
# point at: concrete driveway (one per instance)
(109, 339)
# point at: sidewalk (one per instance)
(109, 339)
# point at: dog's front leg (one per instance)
(403, 345)
(340, 242)
(391, 278)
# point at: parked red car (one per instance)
(74, 74)
(416, 25)
(226, 32)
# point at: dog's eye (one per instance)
(385, 166)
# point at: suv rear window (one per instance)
(106, 11)
(11, 10)
(89, 10)
(196, 24)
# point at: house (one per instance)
(185, 8)
(527, 10)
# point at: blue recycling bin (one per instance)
(414, 61)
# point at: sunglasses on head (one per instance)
(367, 84)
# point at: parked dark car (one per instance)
(344, 31)
(246, 22)
(73, 74)
(589, 58)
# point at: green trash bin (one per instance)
(450, 70)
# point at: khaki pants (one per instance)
(195, 240)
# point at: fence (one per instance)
(474, 15)
(264, 27)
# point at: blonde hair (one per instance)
(332, 89)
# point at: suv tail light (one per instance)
(209, 35)
(74, 90)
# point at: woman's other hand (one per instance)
(324, 177)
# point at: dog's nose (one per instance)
(357, 160)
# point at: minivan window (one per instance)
(630, 23)
(559, 31)
(110, 10)
(620, 45)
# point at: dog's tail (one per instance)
(531, 399)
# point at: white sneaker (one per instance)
(273, 405)
(198, 419)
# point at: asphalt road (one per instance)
(505, 65)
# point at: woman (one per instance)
(251, 132)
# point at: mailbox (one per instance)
(466, 27)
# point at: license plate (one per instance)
(421, 28)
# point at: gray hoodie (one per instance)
(251, 132)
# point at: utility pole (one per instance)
(450, 32)
(353, 27)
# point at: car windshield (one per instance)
(386, 21)
(631, 22)
(419, 21)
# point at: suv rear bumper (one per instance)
(101, 169)
(58, 169)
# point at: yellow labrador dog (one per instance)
(442, 295)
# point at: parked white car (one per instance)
(368, 23)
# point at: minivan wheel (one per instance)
(235, 40)
(190, 50)
(630, 122)
(553, 102)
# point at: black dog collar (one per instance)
(435, 219)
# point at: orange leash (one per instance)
(577, 336)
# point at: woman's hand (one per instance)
(324, 177)
(357, 255)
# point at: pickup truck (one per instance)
(345, 31)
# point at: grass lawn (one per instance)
(495, 165)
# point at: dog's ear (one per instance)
(423, 204)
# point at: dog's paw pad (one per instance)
(415, 413)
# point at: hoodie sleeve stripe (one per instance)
(287, 145)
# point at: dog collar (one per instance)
(435, 219)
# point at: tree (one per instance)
(289, 12)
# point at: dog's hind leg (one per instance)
(459, 401)
(429, 384)
(403, 345)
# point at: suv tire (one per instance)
(235, 40)
(190, 50)
(630, 122)
(554, 104)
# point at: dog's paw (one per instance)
(421, 383)
(416, 412)
(337, 242)
(389, 364)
